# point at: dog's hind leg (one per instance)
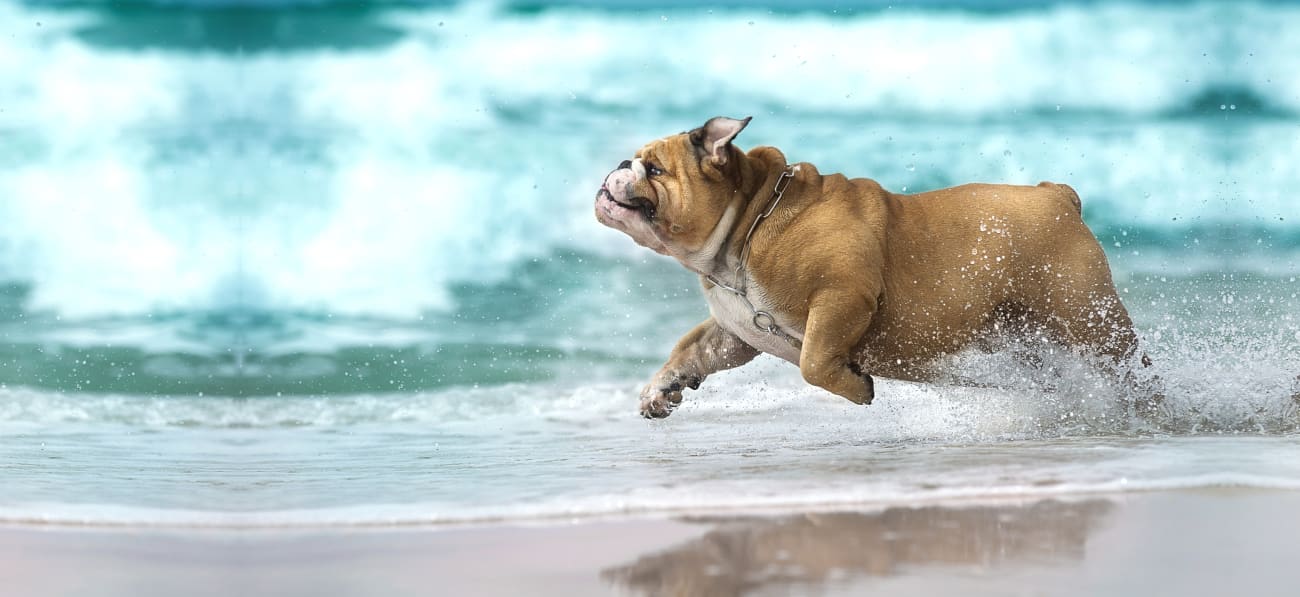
(1082, 311)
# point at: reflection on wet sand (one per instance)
(741, 555)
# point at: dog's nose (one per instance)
(625, 164)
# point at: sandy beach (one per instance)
(1213, 542)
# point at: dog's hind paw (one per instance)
(1147, 396)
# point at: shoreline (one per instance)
(1208, 541)
(294, 521)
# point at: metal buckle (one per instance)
(770, 327)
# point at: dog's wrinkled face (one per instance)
(673, 192)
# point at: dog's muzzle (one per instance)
(618, 188)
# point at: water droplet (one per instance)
(911, 167)
(1006, 153)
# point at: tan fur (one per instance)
(875, 282)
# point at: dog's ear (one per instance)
(715, 136)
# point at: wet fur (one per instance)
(877, 283)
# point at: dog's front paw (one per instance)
(658, 399)
(867, 392)
(657, 403)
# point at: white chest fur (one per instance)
(735, 315)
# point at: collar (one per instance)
(762, 320)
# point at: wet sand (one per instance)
(1215, 542)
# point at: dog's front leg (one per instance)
(704, 350)
(836, 322)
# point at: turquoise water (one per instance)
(276, 265)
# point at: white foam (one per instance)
(751, 438)
(1095, 57)
(1212, 383)
(734, 500)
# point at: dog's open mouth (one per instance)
(619, 215)
(605, 194)
(640, 204)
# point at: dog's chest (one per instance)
(736, 314)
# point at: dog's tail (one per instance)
(1069, 193)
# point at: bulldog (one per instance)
(847, 280)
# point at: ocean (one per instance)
(279, 264)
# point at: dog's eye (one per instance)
(653, 170)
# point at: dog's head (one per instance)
(674, 191)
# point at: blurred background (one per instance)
(245, 198)
(234, 231)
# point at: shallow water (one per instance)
(326, 264)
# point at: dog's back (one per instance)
(955, 255)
